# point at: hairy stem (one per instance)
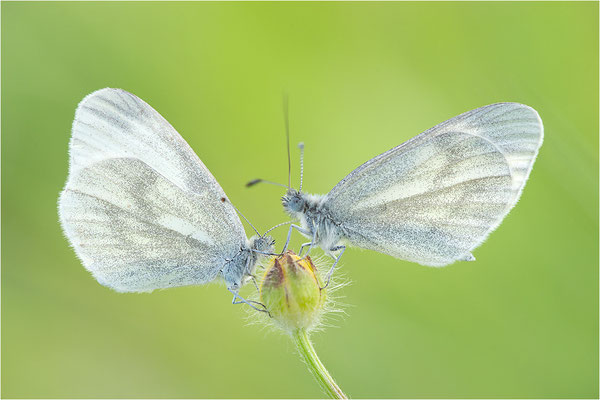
(310, 357)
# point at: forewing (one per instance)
(436, 197)
(136, 231)
(113, 123)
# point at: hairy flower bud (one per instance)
(291, 292)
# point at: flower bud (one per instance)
(291, 292)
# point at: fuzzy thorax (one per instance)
(314, 218)
(243, 264)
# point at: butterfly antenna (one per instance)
(223, 199)
(286, 117)
(277, 226)
(301, 147)
(255, 181)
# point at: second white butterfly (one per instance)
(431, 200)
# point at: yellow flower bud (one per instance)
(291, 292)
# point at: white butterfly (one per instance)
(139, 207)
(432, 199)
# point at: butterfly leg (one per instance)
(303, 246)
(251, 275)
(251, 303)
(255, 283)
(289, 236)
(310, 245)
(342, 249)
(265, 252)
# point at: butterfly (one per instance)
(141, 210)
(434, 198)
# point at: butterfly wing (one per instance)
(113, 123)
(137, 231)
(436, 197)
(114, 130)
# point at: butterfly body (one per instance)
(316, 221)
(241, 267)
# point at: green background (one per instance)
(521, 321)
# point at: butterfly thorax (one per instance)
(314, 217)
(259, 245)
(242, 265)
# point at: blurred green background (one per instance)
(521, 321)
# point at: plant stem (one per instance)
(310, 357)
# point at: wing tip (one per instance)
(516, 105)
(107, 91)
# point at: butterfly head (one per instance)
(293, 202)
(264, 243)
